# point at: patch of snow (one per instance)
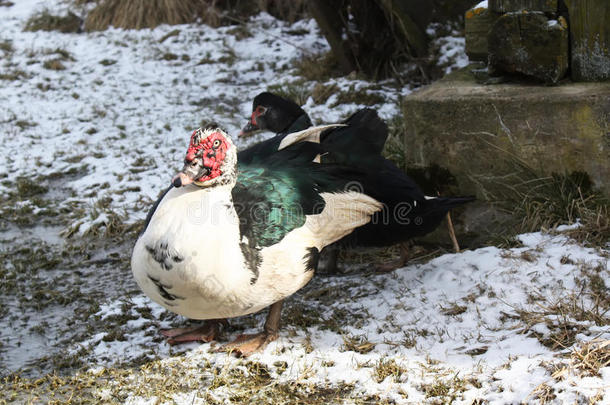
(122, 111)
(452, 53)
(481, 341)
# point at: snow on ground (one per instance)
(454, 324)
(125, 101)
(478, 325)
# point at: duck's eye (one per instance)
(193, 163)
(260, 110)
(216, 144)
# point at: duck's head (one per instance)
(271, 112)
(211, 160)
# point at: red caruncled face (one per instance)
(260, 110)
(210, 152)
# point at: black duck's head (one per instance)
(211, 160)
(271, 112)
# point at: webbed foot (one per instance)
(205, 333)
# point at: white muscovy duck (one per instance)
(237, 232)
(224, 241)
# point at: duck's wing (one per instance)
(274, 195)
(272, 200)
(362, 136)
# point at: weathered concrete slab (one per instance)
(531, 44)
(507, 6)
(472, 129)
(590, 39)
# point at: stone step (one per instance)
(468, 127)
(479, 133)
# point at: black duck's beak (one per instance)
(181, 179)
(186, 176)
(248, 130)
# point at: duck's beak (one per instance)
(248, 130)
(181, 179)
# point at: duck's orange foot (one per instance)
(245, 345)
(405, 251)
(206, 333)
(387, 267)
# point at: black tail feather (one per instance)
(448, 203)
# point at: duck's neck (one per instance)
(302, 122)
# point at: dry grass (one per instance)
(445, 388)
(319, 67)
(388, 368)
(244, 383)
(544, 393)
(54, 64)
(591, 357)
(138, 14)
(46, 21)
(571, 313)
(321, 92)
(6, 46)
(290, 11)
(394, 148)
(595, 220)
(585, 360)
(538, 200)
(297, 91)
(359, 344)
(565, 199)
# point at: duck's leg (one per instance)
(329, 257)
(456, 246)
(405, 254)
(205, 333)
(245, 345)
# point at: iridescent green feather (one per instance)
(269, 204)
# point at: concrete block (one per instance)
(507, 6)
(531, 44)
(590, 39)
(471, 129)
(478, 23)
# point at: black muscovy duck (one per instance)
(276, 114)
(236, 233)
(400, 220)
